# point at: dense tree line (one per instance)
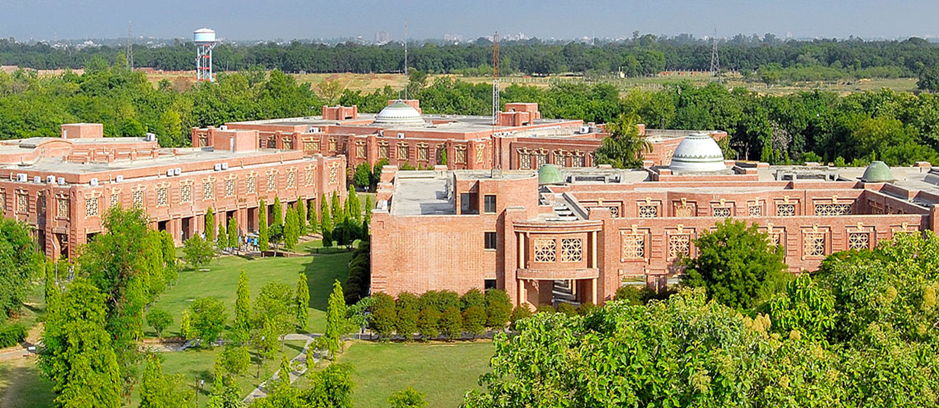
(642, 55)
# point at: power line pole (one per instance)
(715, 58)
(407, 78)
(129, 52)
(495, 79)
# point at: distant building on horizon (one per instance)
(382, 37)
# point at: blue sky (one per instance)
(287, 19)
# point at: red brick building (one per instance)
(62, 186)
(587, 230)
(401, 134)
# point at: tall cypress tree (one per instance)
(368, 209)
(242, 303)
(278, 213)
(222, 236)
(303, 302)
(337, 211)
(232, 232)
(301, 215)
(263, 233)
(313, 217)
(209, 225)
(335, 320)
(326, 224)
(291, 229)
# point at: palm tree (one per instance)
(624, 147)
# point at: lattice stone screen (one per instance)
(545, 250)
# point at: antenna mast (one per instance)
(407, 78)
(715, 58)
(129, 52)
(495, 79)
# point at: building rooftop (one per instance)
(422, 193)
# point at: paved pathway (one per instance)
(298, 361)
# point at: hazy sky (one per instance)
(287, 19)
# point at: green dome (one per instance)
(877, 172)
(550, 174)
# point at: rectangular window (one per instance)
(115, 198)
(91, 207)
(208, 190)
(679, 245)
(634, 246)
(721, 212)
(251, 184)
(22, 202)
(230, 188)
(545, 250)
(490, 238)
(559, 159)
(360, 150)
(422, 152)
(489, 284)
(577, 160)
(383, 150)
(162, 196)
(490, 203)
(859, 240)
(524, 160)
(291, 179)
(138, 198)
(332, 144)
(785, 210)
(541, 159)
(572, 250)
(3, 202)
(271, 182)
(755, 210)
(62, 207)
(402, 152)
(185, 193)
(288, 143)
(480, 154)
(831, 210)
(814, 244)
(648, 211)
(460, 153)
(310, 176)
(334, 174)
(312, 146)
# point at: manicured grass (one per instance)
(444, 371)
(221, 281)
(197, 364)
(21, 386)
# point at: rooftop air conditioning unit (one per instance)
(93, 182)
(223, 127)
(177, 171)
(169, 172)
(218, 166)
(150, 137)
(50, 179)
(37, 179)
(119, 179)
(381, 133)
(585, 129)
(400, 135)
(61, 181)
(224, 166)
(21, 178)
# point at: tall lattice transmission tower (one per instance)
(129, 52)
(496, 107)
(715, 58)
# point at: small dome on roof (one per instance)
(550, 174)
(877, 172)
(399, 114)
(698, 152)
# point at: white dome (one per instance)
(698, 152)
(399, 114)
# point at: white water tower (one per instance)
(204, 38)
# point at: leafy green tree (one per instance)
(407, 398)
(263, 232)
(158, 390)
(354, 206)
(225, 393)
(291, 229)
(451, 323)
(335, 320)
(19, 264)
(159, 319)
(331, 387)
(275, 302)
(498, 308)
(736, 265)
(210, 225)
(197, 252)
(50, 285)
(326, 222)
(208, 319)
(232, 232)
(369, 205)
(804, 307)
(928, 79)
(265, 342)
(383, 314)
(408, 308)
(236, 359)
(278, 212)
(362, 177)
(185, 326)
(78, 357)
(222, 242)
(624, 147)
(474, 320)
(302, 302)
(242, 324)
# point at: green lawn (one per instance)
(442, 371)
(22, 387)
(221, 281)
